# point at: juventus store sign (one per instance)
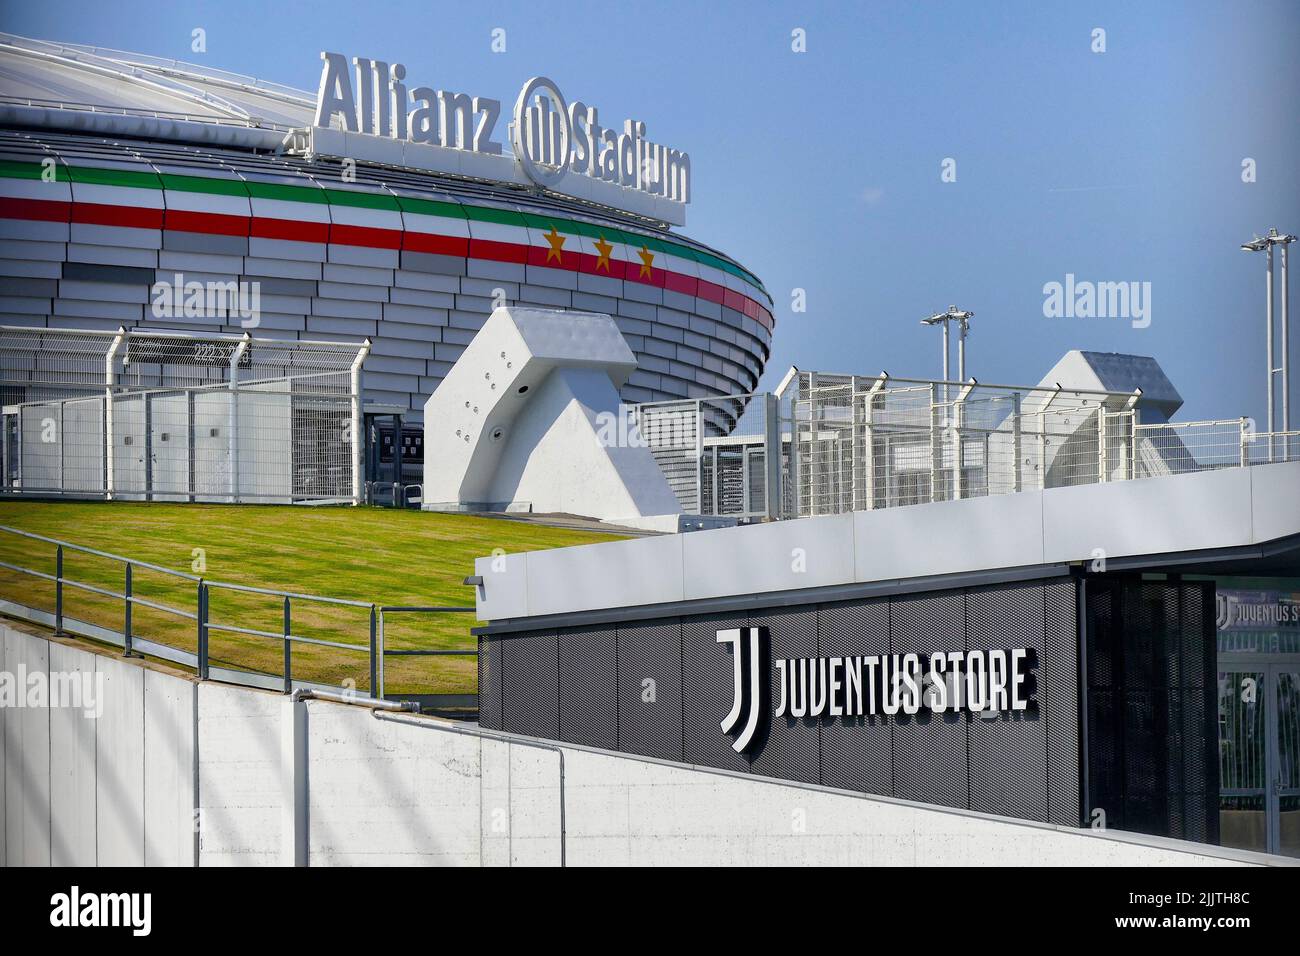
(1052, 699)
(983, 682)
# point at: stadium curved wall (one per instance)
(412, 261)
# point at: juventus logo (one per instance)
(745, 661)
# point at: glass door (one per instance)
(1259, 756)
(1286, 777)
(1243, 757)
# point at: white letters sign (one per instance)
(554, 142)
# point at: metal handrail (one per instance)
(202, 614)
(384, 652)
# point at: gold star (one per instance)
(604, 248)
(557, 243)
(647, 259)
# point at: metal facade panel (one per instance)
(1008, 750)
(588, 678)
(650, 714)
(708, 691)
(489, 683)
(531, 685)
(857, 752)
(786, 746)
(1059, 686)
(930, 750)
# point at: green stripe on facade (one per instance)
(431, 207)
(11, 169)
(98, 176)
(314, 194)
(502, 217)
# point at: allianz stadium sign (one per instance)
(554, 144)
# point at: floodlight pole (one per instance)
(1272, 369)
(1285, 242)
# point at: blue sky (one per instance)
(821, 170)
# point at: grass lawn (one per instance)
(377, 555)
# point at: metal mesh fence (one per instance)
(37, 364)
(855, 443)
(863, 443)
(712, 451)
(272, 440)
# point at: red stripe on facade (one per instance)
(710, 291)
(290, 230)
(34, 210)
(539, 256)
(591, 265)
(128, 217)
(677, 282)
(498, 251)
(368, 237)
(177, 220)
(436, 245)
(212, 223)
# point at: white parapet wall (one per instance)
(174, 771)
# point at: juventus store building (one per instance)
(1119, 655)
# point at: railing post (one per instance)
(1102, 470)
(58, 591)
(379, 655)
(288, 645)
(203, 629)
(126, 624)
(1245, 442)
(374, 639)
(1017, 454)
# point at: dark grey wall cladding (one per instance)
(650, 689)
(930, 760)
(530, 680)
(660, 688)
(588, 664)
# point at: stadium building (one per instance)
(126, 179)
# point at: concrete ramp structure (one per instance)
(530, 419)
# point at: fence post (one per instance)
(58, 591)
(1102, 470)
(288, 648)
(126, 626)
(374, 638)
(379, 655)
(1245, 442)
(203, 629)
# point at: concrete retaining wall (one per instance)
(278, 782)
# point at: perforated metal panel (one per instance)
(531, 685)
(707, 691)
(650, 689)
(790, 747)
(588, 675)
(1058, 675)
(930, 760)
(858, 752)
(1008, 751)
(489, 683)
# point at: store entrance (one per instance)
(1259, 753)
